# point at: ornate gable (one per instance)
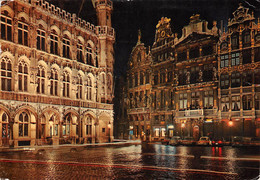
(163, 29)
(241, 15)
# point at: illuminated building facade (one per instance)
(199, 82)
(56, 75)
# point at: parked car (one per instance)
(255, 141)
(188, 141)
(237, 141)
(165, 141)
(204, 141)
(175, 140)
(218, 142)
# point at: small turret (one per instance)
(104, 10)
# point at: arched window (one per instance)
(66, 47)
(79, 87)
(23, 76)
(66, 84)
(89, 125)
(109, 84)
(103, 84)
(96, 56)
(80, 51)
(141, 78)
(89, 55)
(54, 42)
(5, 128)
(41, 80)
(89, 89)
(54, 82)
(23, 124)
(53, 126)
(41, 38)
(6, 74)
(6, 26)
(23, 32)
(66, 125)
(235, 41)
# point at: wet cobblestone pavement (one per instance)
(146, 161)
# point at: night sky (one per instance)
(130, 15)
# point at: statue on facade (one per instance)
(176, 79)
(214, 74)
(188, 77)
(200, 76)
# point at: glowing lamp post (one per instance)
(109, 127)
(230, 124)
(182, 126)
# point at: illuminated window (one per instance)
(224, 60)
(208, 99)
(66, 125)
(183, 101)
(235, 103)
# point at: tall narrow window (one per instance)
(247, 102)
(141, 78)
(183, 101)
(6, 27)
(22, 76)
(225, 103)
(66, 47)
(89, 55)
(66, 84)
(41, 80)
(89, 125)
(66, 125)
(234, 41)
(89, 89)
(41, 39)
(54, 82)
(22, 33)
(246, 39)
(23, 124)
(79, 87)
(54, 42)
(208, 99)
(235, 103)
(195, 96)
(80, 51)
(6, 74)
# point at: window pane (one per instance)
(25, 129)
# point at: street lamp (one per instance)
(230, 124)
(182, 126)
(109, 127)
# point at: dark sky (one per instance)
(131, 15)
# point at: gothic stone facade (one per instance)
(204, 83)
(56, 75)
